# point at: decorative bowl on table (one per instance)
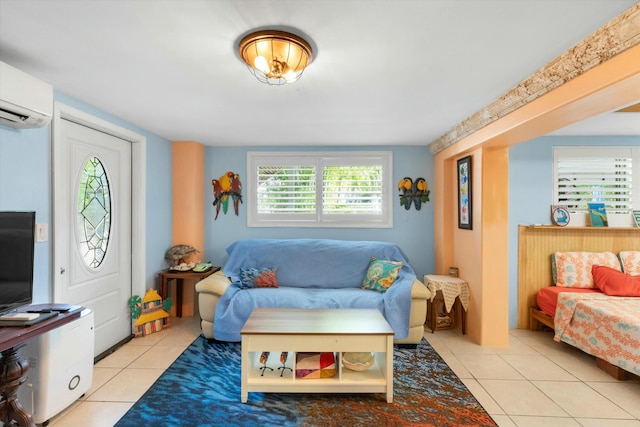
(358, 361)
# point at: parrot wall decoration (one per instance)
(236, 192)
(405, 186)
(227, 185)
(416, 192)
(217, 194)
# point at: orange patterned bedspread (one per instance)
(603, 326)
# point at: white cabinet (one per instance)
(61, 368)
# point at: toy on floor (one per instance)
(150, 314)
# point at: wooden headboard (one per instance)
(537, 243)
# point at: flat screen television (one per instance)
(17, 237)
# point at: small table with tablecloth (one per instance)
(453, 290)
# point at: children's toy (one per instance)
(150, 314)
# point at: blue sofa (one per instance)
(311, 273)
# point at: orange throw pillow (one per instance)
(614, 282)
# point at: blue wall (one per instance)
(25, 184)
(412, 230)
(25, 168)
(531, 191)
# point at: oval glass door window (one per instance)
(94, 213)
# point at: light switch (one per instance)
(42, 232)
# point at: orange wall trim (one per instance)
(188, 206)
(494, 328)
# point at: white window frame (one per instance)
(581, 218)
(320, 159)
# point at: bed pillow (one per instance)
(258, 278)
(616, 283)
(573, 269)
(381, 274)
(630, 261)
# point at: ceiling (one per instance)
(385, 72)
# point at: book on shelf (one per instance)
(636, 217)
(598, 215)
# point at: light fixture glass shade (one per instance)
(275, 57)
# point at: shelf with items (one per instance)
(438, 314)
(345, 379)
(569, 227)
(334, 331)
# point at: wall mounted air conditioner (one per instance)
(25, 101)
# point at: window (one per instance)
(94, 213)
(598, 174)
(320, 189)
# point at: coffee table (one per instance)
(316, 330)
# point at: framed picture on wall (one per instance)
(464, 193)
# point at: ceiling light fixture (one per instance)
(275, 57)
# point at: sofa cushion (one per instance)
(258, 277)
(616, 283)
(381, 274)
(630, 261)
(573, 269)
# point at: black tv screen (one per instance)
(17, 236)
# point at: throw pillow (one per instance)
(630, 261)
(616, 283)
(381, 274)
(573, 269)
(258, 278)
(315, 365)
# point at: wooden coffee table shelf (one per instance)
(316, 330)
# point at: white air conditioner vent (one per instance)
(25, 101)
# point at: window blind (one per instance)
(320, 189)
(586, 177)
(352, 190)
(286, 189)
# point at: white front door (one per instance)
(92, 228)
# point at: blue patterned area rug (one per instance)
(202, 388)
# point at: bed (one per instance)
(581, 314)
(603, 326)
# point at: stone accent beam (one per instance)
(620, 34)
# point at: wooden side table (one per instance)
(166, 276)
(454, 291)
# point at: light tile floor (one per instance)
(536, 381)
(533, 382)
